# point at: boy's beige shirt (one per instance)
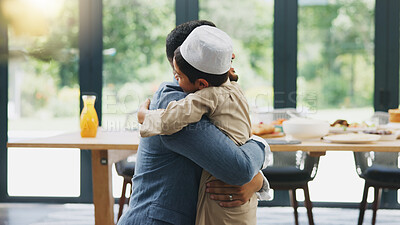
(225, 105)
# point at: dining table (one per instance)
(109, 147)
(106, 148)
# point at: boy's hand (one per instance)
(232, 75)
(143, 109)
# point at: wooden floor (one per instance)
(82, 214)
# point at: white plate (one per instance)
(342, 130)
(352, 138)
(388, 137)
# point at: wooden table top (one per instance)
(126, 140)
(129, 140)
(320, 146)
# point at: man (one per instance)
(168, 168)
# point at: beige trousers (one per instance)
(210, 213)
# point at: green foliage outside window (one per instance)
(250, 25)
(335, 56)
(44, 68)
(335, 43)
(134, 33)
(137, 31)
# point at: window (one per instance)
(336, 69)
(135, 63)
(250, 25)
(43, 95)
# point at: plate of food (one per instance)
(341, 126)
(352, 138)
(265, 130)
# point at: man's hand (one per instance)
(232, 73)
(143, 109)
(220, 191)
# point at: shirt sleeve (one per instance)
(177, 115)
(264, 192)
(268, 153)
(204, 144)
(207, 146)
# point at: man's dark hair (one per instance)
(176, 37)
(193, 74)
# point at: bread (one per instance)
(394, 115)
(262, 128)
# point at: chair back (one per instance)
(389, 159)
(382, 117)
(125, 167)
(283, 159)
(364, 160)
(284, 113)
(268, 116)
(299, 159)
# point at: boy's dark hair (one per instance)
(193, 74)
(176, 37)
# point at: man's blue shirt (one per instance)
(168, 168)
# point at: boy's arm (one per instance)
(176, 116)
(207, 146)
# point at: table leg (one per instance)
(102, 190)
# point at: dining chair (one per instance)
(292, 170)
(380, 117)
(126, 169)
(379, 170)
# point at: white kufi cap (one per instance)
(208, 49)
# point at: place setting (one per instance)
(294, 129)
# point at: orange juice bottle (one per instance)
(89, 119)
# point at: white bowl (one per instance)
(303, 128)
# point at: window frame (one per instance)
(90, 80)
(3, 108)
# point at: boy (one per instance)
(202, 64)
